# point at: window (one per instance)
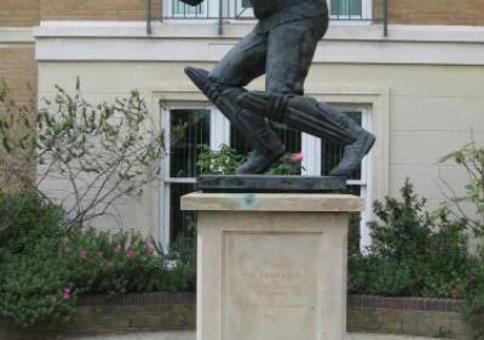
(345, 8)
(208, 9)
(182, 10)
(240, 9)
(289, 137)
(321, 156)
(188, 127)
(350, 9)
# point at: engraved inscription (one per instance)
(271, 283)
(274, 288)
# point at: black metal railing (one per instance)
(227, 11)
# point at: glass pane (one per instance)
(346, 8)
(289, 137)
(182, 223)
(332, 154)
(179, 8)
(246, 4)
(189, 129)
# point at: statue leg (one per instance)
(318, 119)
(290, 51)
(222, 86)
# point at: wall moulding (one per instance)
(358, 43)
(16, 35)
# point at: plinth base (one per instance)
(271, 266)
(271, 184)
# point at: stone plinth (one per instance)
(271, 266)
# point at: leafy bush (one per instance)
(44, 267)
(474, 299)
(100, 153)
(471, 159)
(413, 253)
(226, 160)
(32, 271)
(24, 218)
(223, 162)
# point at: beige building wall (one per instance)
(431, 110)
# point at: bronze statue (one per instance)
(282, 47)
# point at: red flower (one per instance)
(83, 254)
(297, 157)
(67, 294)
(149, 249)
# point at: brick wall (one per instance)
(19, 70)
(123, 10)
(19, 13)
(101, 315)
(433, 12)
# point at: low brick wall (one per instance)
(99, 315)
(409, 316)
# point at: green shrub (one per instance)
(226, 160)
(33, 284)
(33, 274)
(354, 234)
(413, 252)
(223, 162)
(473, 310)
(44, 267)
(102, 153)
(470, 158)
(25, 218)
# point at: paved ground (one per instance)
(191, 336)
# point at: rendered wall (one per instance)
(432, 110)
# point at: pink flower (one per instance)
(130, 253)
(83, 254)
(67, 294)
(117, 250)
(99, 253)
(149, 249)
(297, 157)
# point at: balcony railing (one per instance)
(228, 11)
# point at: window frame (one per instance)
(310, 148)
(366, 12)
(212, 7)
(219, 134)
